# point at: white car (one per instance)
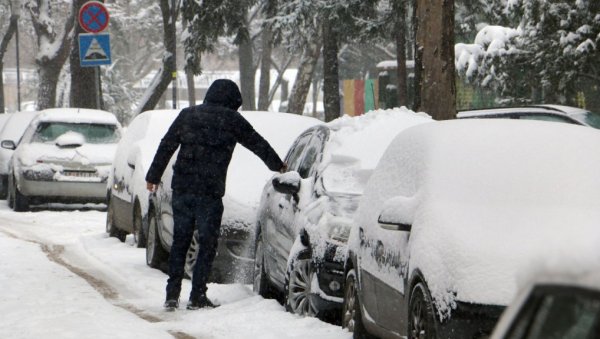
(11, 131)
(455, 211)
(127, 194)
(64, 156)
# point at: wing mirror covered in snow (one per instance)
(287, 183)
(397, 214)
(131, 159)
(8, 144)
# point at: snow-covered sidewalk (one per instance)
(61, 276)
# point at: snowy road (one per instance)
(62, 277)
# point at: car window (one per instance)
(559, 313)
(590, 118)
(313, 152)
(93, 133)
(547, 117)
(294, 156)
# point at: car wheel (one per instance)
(138, 228)
(191, 256)
(155, 253)
(260, 282)
(299, 298)
(10, 196)
(421, 316)
(3, 186)
(111, 229)
(351, 314)
(20, 203)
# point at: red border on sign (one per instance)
(103, 10)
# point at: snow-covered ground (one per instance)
(61, 276)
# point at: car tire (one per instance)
(111, 229)
(3, 186)
(10, 199)
(155, 253)
(20, 202)
(421, 314)
(351, 311)
(298, 295)
(260, 282)
(191, 256)
(138, 228)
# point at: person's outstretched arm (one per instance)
(249, 138)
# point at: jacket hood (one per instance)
(224, 92)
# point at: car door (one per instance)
(278, 230)
(123, 172)
(384, 253)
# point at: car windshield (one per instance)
(93, 133)
(590, 118)
(344, 178)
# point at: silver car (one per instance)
(64, 156)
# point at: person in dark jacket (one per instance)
(206, 135)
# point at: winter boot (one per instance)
(200, 302)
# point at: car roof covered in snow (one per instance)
(78, 115)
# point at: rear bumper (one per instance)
(64, 191)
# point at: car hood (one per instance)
(85, 155)
(479, 254)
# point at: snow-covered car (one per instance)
(127, 196)
(455, 211)
(64, 156)
(11, 131)
(246, 177)
(557, 113)
(305, 214)
(554, 304)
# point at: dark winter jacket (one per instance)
(207, 135)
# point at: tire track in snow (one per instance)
(54, 254)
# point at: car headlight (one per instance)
(39, 173)
(338, 228)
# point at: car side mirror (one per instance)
(287, 183)
(131, 159)
(397, 214)
(8, 144)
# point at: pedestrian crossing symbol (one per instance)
(94, 49)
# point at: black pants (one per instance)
(192, 212)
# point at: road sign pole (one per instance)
(97, 85)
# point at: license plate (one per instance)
(80, 174)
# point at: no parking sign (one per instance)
(93, 17)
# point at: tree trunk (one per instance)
(247, 71)
(401, 53)
(165, 75)
(331, 82)
(84, 93)
(265, 70)
(50, 65)
(191, 87)
(306, 70)
(434, 62)
(10, 32)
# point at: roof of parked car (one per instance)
(78, 115)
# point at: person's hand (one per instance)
(151, 187)
(283, 168)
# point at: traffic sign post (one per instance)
(94, 48)
(93, 17)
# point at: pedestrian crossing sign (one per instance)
(94, 49)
